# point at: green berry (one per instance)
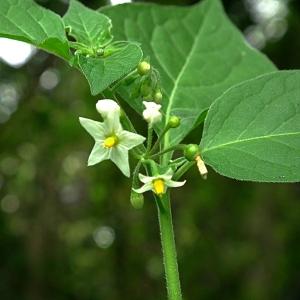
(143, 68)
(137, 200)
(191, 151)
(174, 122)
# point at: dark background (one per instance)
(69, 232)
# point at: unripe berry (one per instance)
(191, 151)
(137, 200)
(174, 122)
(158, 96)
(143, 68)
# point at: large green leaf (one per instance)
(102, 72)
(197, 50)
(26, 21)
(87, 26)
(252, 132)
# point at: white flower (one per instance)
(111, 141)
(158, 184)
(152, 114)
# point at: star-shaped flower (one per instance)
(111, 141)
(158, 184)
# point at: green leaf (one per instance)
(197, 50)
(252, 132)
(101, 72)
(91, 31)
(26, 21)
(87, 26)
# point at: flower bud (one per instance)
(191, 151)
(143, 68)
(151, 113)
(158, 96)
(136, 200)
(173, 122)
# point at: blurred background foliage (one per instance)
(69, 232)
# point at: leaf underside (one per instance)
(197, 50)
(252, 132)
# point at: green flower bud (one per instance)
(158, 96)
(191, 151)
(143, 68)
(174, 122)
(136, 200)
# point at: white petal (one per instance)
(146, 187)
(129, 139)
(107, 106)
(119, 155)
(171, 183)
(98, 154)
(94, 128)
(145, 179)
(112, 124)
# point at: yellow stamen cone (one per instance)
(159, 186)
(110, 142)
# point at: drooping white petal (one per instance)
(146, 187)
(98, 154)
(107, 106)
(112, 124)
(110, 112)
(94, 128)
(119, 155)
(172, 183)
(130, 140)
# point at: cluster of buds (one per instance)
(149, 83)
(148, 89)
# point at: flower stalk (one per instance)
(168, 247)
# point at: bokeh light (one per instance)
(15, 53)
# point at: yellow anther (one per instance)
(110, 141)
(158, 186)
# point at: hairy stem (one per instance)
(168, 247)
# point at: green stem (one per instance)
(149, 138)
(168, 247)
(173, 148)
(158, 141)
